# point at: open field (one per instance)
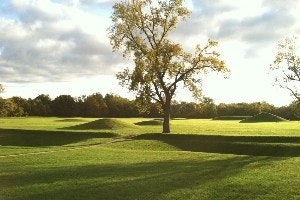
(88, 158)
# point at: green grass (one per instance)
(263, 117)
(76, 158)
(105, 123)
(151, 122)
(231, 117)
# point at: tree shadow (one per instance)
(239, 145)
(150, 180)
(40, 138)
(153, 122)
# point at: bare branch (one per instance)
(288, 64)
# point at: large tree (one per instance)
(287, 66)
(140, 28)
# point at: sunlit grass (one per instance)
(113, 173)
(215, 127)
(51, 158)
(141, 125)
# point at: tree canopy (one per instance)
(112, 105)
(287, 66)
(140, 29)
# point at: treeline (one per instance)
(111, 105)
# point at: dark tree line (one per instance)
(94, 105)
(112, 105)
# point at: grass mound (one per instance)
(239, 145)
(263, 117)
(105, 123)
(153, 122)
(231, 117)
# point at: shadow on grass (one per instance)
(156, 121)
(240, 145)
(173, 179)
(153, 122)
(39, 138)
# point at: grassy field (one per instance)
(88, 158)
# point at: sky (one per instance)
(61, 47)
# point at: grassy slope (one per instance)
(151, 166)
(181, 126)
(106, 173)
(263, 117)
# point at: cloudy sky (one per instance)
(61, 47)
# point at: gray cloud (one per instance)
(38, 45)
(202, 17)
(208, 8)
(280, 5)
(33, 47)
(98, 3)
(262, 28)
(274, 22)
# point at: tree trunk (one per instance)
(167, 112)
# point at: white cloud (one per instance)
(46, 41)
(64, 40)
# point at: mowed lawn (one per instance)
(88, 158)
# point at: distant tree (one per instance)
(287, 66)
(265, 107)
(8, 108)
(3, 107)
(285, 112)
(188, 109)
(243, 109)
(205, 109)
(120, 107)
(64, 106)
(140, 29)
(291, 112)
(175, 109)
(208, 108)
(295, 107)
(41, 105)
(22, 105)
(94, 106)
